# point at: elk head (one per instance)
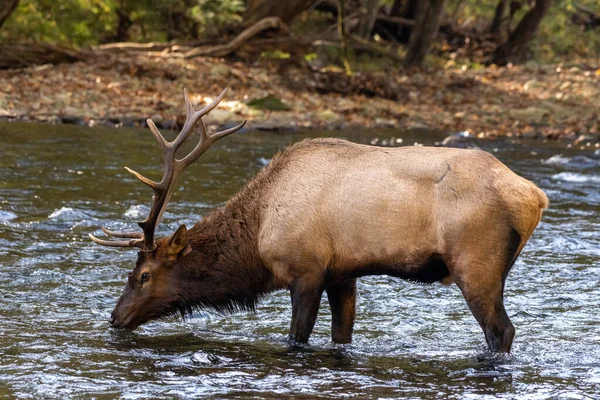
(151, 289)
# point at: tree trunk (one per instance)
(342, 36)
(405, 9)
(460, 4)
(6, 9)
(285, 10)
(181, 24)
(251, 5)
(500, 18)
(523, 33)
(122, 34)
(368, 10)
(429, 14)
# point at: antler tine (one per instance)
(205, 141)
(162, 142)
(190, 121)
(142, 178)
(213, 104)
(218, 135)
(117, 243)
(192, 117)
(133, 235)
(189, 108)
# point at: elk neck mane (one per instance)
(225, 252)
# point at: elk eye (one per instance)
(145, 277)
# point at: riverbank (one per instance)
(531, 101)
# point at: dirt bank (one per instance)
(543, 101)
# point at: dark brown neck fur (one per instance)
(224, 271)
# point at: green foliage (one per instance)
(90, 22)
(275, 54)
(557, 35)
(212, 14)
(73, 22)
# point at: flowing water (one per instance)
(57, 183)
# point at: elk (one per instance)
(323, 213)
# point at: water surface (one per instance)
(57, 183)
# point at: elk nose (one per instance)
(111, 320)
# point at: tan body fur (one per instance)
(336, 210)
(340, 206)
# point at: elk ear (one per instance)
(177, 244)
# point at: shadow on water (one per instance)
(57, 183)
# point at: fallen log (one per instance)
(395, 20)
(171, 47)
(223, 50)
(19, 55)
(132, 46)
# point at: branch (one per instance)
(18, 55)
(124, 46)
(396, 20)
(247, 34)
(585, 10)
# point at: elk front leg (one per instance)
(306, 298)
(342, 301)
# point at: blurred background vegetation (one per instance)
(472, 31)
(93, 22)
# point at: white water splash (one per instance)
(7, 215)
(574, 177)
(264, 161)
(68, 214)
(557, 159)
(137, 211)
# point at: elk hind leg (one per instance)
(480, 273)
(342, 301)
(484, 296)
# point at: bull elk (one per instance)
(323, 213)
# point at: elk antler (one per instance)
(173, 168)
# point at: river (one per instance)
(57, 183)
